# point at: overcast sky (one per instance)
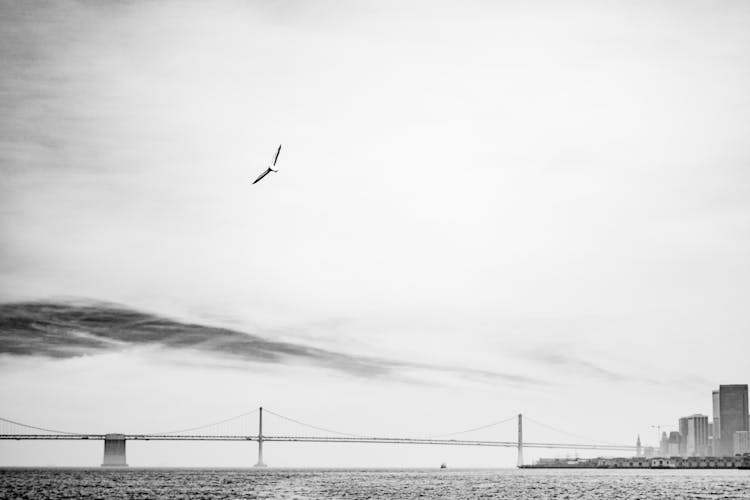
(482, 208)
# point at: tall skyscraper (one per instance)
(696, 440)
(717, 424)
(683, 428)
(733, 415)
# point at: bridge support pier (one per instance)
(520, 440)
(114, 451)
(260, 440)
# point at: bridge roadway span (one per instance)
(114, 444)
(316, 439)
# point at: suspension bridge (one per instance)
(237, 428)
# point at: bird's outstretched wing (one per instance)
(276, 156)
(268, 170)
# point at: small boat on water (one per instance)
(443, 465)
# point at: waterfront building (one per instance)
(649, 451)
(624, 463)
(716, 447)
(733, 412)
(644, 463)
(741, 442)
(662, 463)
(663, 445)
(696, 440)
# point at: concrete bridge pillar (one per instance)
(114, 451)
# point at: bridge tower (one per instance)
(520, 440)
(260, 439)
(114, 451)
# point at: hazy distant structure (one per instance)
(663, 445)
(638, 448)
(674, 444)
(716, 435)
(733, 415)
(683, 428)
(696, 441)
(742, 442)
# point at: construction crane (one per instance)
(658, 428)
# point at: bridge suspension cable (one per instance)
(205, 426)
(436, 436)
(578, 436)
(8, 421)
(314, 426)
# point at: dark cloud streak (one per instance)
(71, 329)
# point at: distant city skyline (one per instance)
(725, 436)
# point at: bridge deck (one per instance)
(318, 439)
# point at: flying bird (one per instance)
(270, 169)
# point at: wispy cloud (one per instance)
(569, 359)
(71, 329)
(563, 357)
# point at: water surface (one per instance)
(132, 483)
